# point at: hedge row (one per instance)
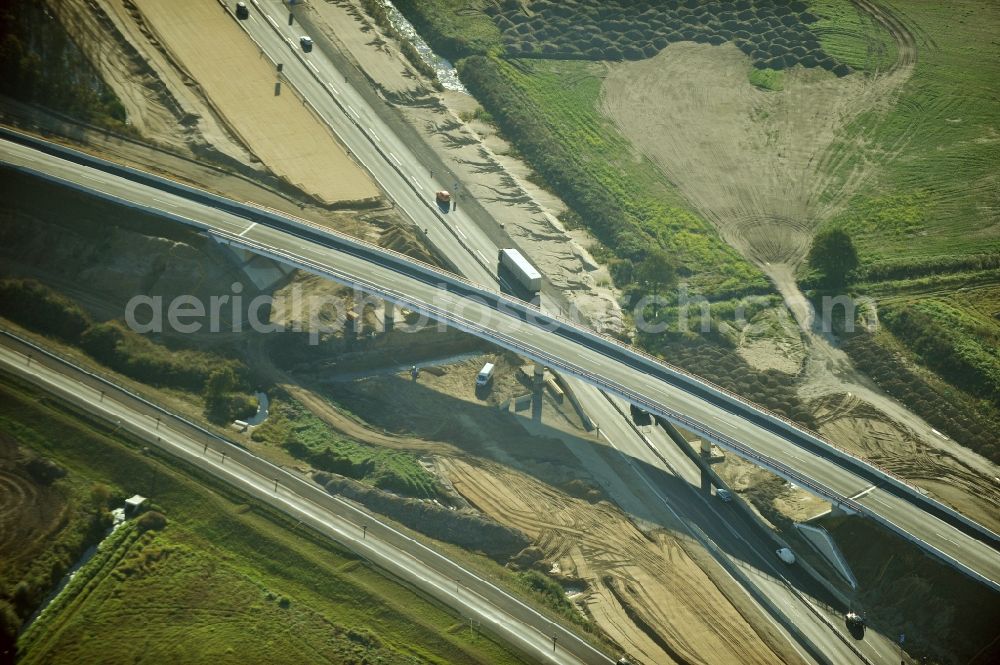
(775, 34)
(537, 142)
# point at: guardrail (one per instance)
(319, 497)
(604, 344)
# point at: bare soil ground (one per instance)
(628, 572)
(761, 165)
(206, 43)
(159, 102)
(646, 588)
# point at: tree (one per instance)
(833, 254)
(657, 271)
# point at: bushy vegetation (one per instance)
(768, 79)
(470, 532)
(33, 568)
(29, 303)
(306, 437)
(112, 343)
(948, 340)
(115, 345)
(774, 34)
(552, 594)
(833, 254)
(960, 416)
(40, 64)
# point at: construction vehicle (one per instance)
(518, 266)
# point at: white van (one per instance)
(485, 375)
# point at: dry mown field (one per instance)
(206, 42)
(30, 511)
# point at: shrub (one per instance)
(41, 309)
(44, 471)
(151, 520)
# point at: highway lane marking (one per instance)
(862, 493)
(273, 23)
(414, 179)
(395, 159)
(247, 229)
(459, 232)
(351, 109)
(481, 255)
(374, 135)
(89, 176)
(332, 87)
(312, 66)
(946, 538)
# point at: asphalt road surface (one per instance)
(361, 532)
(535, 340)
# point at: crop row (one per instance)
(774, 34)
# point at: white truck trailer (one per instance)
(520, 268)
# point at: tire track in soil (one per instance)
(660, 597)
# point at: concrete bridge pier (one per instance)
(388, 316)
(537, 391)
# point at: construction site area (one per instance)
(651, 542)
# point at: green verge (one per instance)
(303, 435)
(227, 580)
(935, 195)
(43, 310)
(853, 37)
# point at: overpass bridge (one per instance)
(735, 424)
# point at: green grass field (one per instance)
(852, 37)
(209, 588)
(937, 192)
(927, 224)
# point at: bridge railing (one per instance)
(403, 263)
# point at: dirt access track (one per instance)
(205, 42)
